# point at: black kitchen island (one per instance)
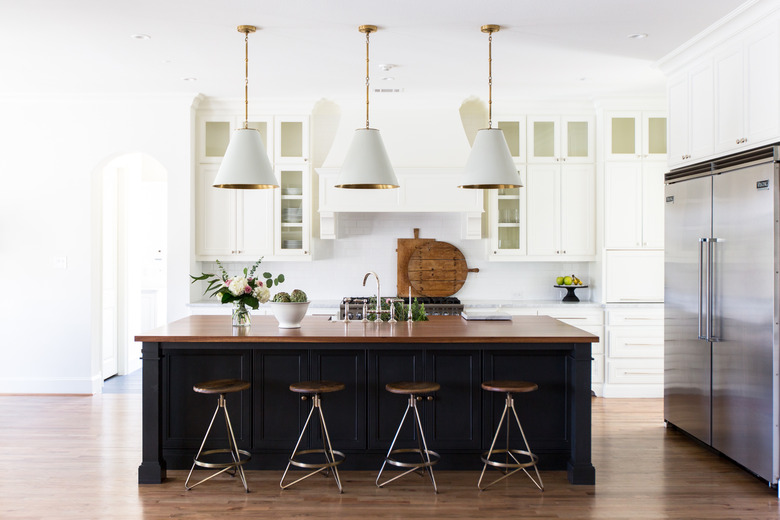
(458, 354)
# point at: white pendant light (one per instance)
(245, 164)
(367, 165)
(490, 164)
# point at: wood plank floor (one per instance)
(77, 458)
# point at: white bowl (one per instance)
(289, 314)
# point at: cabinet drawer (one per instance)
(636, 316)
(636, 371)
(573, 316)
(635, 342)
(597, 369)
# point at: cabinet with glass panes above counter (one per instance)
(243, 225)
(553, 216)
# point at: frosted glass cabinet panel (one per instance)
(292, 139)
(215, 132)
(635, 136)
(557, 139)
(292, 220)
(514, 133)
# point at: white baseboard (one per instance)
(51, 385)
(629, 390)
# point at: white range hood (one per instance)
(422, 190)
(428, 148)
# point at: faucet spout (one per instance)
(378, 310)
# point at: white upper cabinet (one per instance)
(246, 224)
(634, 205)
(747, 104)
(691, 101)
(231, 224)
(557, 139)
(560, 201)
(635, 136)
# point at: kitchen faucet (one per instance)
(378, 310)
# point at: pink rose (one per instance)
(247, 289)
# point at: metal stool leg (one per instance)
(516, 465)
(426, 461)
(236, 465)
(333, 458)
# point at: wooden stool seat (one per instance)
(510, 386)
(221, 386)
(407, 387)
(316, 387)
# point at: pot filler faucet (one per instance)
(378, 310)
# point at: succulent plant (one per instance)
(298, 296)
(281, 297)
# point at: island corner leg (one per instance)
(152, 469)
(580, 467)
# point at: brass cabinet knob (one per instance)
(419, 398)
(430, 398)
(303, 398)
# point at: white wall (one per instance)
(50, 153)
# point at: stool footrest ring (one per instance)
(317, 465)
(534, 459)
(218, 465)
(418, 464)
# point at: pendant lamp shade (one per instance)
(490, 164)
(246, 164)
(367, 165)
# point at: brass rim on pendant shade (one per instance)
(245, 164)
(490, 164)
(367, 164)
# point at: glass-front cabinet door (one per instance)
(293, 216)
(214, 132)
(561, 139)
(292, 139)
(634, 136)
(514, 133)
(508, 218)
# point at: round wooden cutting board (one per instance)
(437, 269)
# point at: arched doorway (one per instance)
(132, 245)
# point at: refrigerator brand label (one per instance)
(670, 199)
(762, 185)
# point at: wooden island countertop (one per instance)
(317, 329)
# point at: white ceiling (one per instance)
(312, 49)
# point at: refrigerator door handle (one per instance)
(711, 287)
(702, 334)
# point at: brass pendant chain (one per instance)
(246, 80)
(367, 78)
(490, 81)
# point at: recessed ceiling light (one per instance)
(189, 79)
(637, 36)
(386, 66)
(140, 36)
(388, 78)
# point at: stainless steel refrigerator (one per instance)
(721, 289)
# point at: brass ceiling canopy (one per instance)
(490, 28)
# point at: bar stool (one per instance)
(510, 387)
(221, 387)
(427, 457)
(332, 457)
